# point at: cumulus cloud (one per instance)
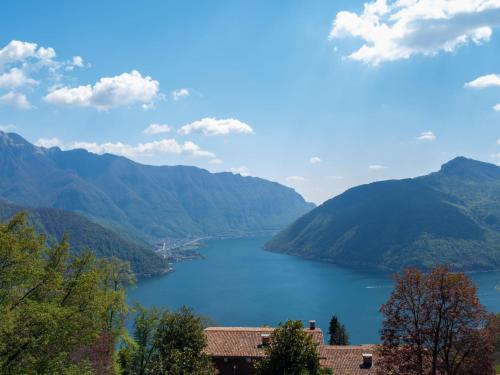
(154, 129)
(212, 126)
(244, 171)
(395, 30)
(296, 179)
(497, 107)
(215, 161)
(14, 78)
(15, 99)
(427, 136)
(108, 92)
(179, 94)
(17, 51)
(164, 146)
(377, 167)
(315, 160)
(488, 80)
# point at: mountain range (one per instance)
(448, 217)
(139, 203)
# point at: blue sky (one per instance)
(317, 95)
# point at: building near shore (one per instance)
(236, 350)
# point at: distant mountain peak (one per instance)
(465, 167)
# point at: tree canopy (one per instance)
(435, 324)
(166, 343)
(56, 307)
(291, 351)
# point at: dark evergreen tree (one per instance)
(338, 332)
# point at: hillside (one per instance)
(147, 201)
(85, 234)
(451, 216)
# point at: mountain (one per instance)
(144, 201)
(84, 234)
(451, 216)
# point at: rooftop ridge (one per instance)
(253, 329)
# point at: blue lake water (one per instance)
(240, 284)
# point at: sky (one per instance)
(317, 95)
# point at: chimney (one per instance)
(367, 360)
(265, 338)
(312, 325)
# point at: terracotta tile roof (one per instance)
(242, 341)
(348, 360)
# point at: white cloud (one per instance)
(15, 78)
(17, 51)
(315, 160)
(215, 161)
(15, 99)
(154, 129)
(48, 142)
(394, 30)
(244, 171)
(498, 142)
(488, 80)
(77, 61)
(108, 92)
(212, 126)
(377, 167)
(164, 146)
(179, 94)
(497, 107)
(296, 179)
(427, 136)
(7, 127)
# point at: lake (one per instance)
(240, 284)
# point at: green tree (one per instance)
(179, 344)
(53, 306)
(292, 351)
(136, 354)
(338, 332)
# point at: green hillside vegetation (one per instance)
(147, 201)
(451, 217)
(85, 234)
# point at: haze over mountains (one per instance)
(143, 202)
(451, 216)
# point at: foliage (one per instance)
(54, 305)
(435, 324)
(166, 343)
(86, 234)
(136, 353)
(338, 332)
(291, 351)
(448, 217)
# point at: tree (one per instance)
(53, 305)
(136, 354)
(435, 324)
(292, 351)
(179, 342)
(338, 332)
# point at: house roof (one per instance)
(348, 360)
(242, 341)
(247, 342)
